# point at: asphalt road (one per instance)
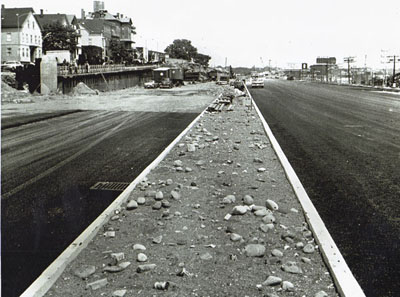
(344, 144)
(48, 167)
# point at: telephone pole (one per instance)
(348, 60)
(393, 59)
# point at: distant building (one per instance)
(21, 37)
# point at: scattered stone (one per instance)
(321, 294)
(168, 182)
(159, 195)
(307, 234)
(158, 239)
(262, 212)
(257, 160)
(132, 204)
(294, 210)
(175, 195)
(97, 284)
(188, 169)
(150, 194)
(118, 256)
(117, 268)
(261, 169)
(248, 200)
(309, 248)
(157, 205)
(266, 227)
(276, 253)
(178, 169)
(299, 245)
(272, 205)
(287, 286)
(85, 271)
(227, 217)
(291, 267)
(161, 285)
(166, 204)
(255, 250)
(115, 218)
(191, 147)
(178, 163)
(271, 295)
(145, 267)
(206, 256)
(235, 237)
(141, 201)
(119, 293)
(110, 234)
(139, 247)
(229, 199)
(306, 260)
(269, 218)
(200, 163)
(272, 281)
(239, 210)
(141, 257)
(236, 147)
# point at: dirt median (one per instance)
(217, 217)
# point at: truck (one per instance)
(168, 77)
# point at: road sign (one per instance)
(304, 66)
(325, 60)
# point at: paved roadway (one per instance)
(344, 144)
(48, 168)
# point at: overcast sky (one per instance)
(256, 32)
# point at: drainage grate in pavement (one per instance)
(110, 186)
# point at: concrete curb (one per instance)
(345, 281)
(48, 277)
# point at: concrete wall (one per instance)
(106, 81)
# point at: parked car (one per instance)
(10, 66)
(150, 85)
(257, 82)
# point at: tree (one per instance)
(202, 59)
(181, 49)
(118, 52)
(59, 37)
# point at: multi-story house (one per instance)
(21, 37)
(64, 20)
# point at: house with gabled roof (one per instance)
(21, 37)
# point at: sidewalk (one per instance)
(216, 217)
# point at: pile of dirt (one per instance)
(82, 89)
(9, 79)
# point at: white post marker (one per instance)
(344, 279)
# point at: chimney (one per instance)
(41, 12)
(83, 16)
(3, 6)
(117, 15)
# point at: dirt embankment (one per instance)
(217, 217)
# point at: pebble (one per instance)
(157, 205)
(307, 234)
(200, 163)
(299, 245)
(235, 237)
(157, 239)
(248, 200)
(261, 169)
(109, 234)
(141, 201)
(166, 204)
(159, 195)
(114, 218)
(239, 210)
(119, 293)
(272, 281)
(206, 256)
(150, 194)
(175, 195)
(85, 271)
(306, 260)
(309, 248)
(276, 253)
(262, 212)
(168, 182)
(291, 267)
(188, 169)
(321, 294)
(132, 204)
(178, 163)
(227, 217)
(269, 218)
(118, 256)
(97, 284)
(141, 257)
(266, 227)
(191, 147)
(229, 199)
(257, 160)
(117, 268)
(178, 169)
(145, 267)
(139, 247)
(272, 205)
(254, 250)
(287, 286)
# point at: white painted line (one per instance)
(345, 281)
(46, 280)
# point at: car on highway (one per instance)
(10, 65)
(150, 85)
(257, 82)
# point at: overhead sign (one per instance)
(325, 60)
(304, 66)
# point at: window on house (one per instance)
(36, 39)
(23, 52)
(31, 39)
(8, 36)
(9, 51)
(28, 25)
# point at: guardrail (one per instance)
(88, 69)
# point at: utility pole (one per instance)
(393, 58)
(348, 60)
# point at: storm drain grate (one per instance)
(110, 186)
